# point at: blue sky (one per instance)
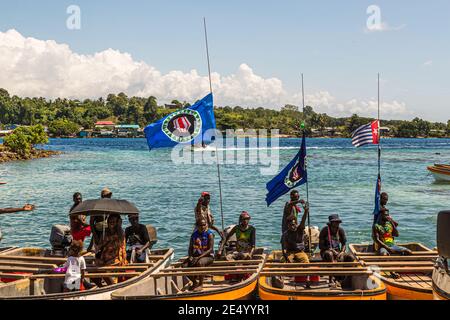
(325, 40)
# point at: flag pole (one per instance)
(307, 189)
(379, 130)
(217, 154)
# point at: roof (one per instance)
(104, 123)
(127, 126)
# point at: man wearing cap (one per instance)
(293, 241)
(245, 239)
(291, 208)
(203, 211)
(332, 242)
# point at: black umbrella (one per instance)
(104, 206)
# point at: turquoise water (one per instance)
(342, 180)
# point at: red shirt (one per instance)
(81, 233)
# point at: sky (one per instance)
(258, 50)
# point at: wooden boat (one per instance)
(441, 273)
(445, 166)
(27, 274)
(288, 281)
(224, 280)
(441, 173)
(405, 277)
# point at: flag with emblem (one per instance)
(192, 125)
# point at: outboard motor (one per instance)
(60, 239)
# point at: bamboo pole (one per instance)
(203, 273)
(227, 263)
(414, 253)
(213, 268)
(398, 258)
(315, 264)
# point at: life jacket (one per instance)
(200, 242)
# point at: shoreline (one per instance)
(8, 156)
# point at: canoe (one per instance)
(414, 272)
(445, 166)
(224, 280)
(296, 285)
(26, 273)
(441, 273)
(440, 173)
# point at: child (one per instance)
(76, 267)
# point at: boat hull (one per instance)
(441, 284)
(440, 173)
(267, 292)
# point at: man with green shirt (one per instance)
(246, 239)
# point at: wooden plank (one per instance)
(316, 264)
(35, 258)
(316, 273)
(28, 264)
(414, 253)
(312, 269)
(411, 281)
(227, 263)
(62, 275)
(209, 268)
(203, 273)
(398, 263)
(398, 258)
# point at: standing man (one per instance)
(246, 239)
(27, 207)
(291, 208)
(332, 242)
(98, 223)
(293, 241)
(203, 211)
(77, 199)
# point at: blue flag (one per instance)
(293, 175)
(183, 126)
(376, 211)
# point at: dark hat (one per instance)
(334, 218)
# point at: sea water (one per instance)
(342, 180)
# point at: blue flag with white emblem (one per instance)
(376, 211)
(186, 126)
(293, 175)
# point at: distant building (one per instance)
(104, 128)
(127, 130)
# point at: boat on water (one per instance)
(441, 273)
(26, 273)
(405, 277)
(224, 280)
(310, 281)
(440, 172)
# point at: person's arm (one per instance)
(224, 242)
(283, 247)
(146, 239)
(191, 248)
(323, 239)
(343, 239)
(27, 207)
(253, 241)
(378, 241)
(395, 232)
(305, 215)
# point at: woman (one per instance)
(112, 246)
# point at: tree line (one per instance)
(65, 117)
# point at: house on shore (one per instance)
(127, 130)
(104, 129)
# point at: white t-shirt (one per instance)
(74, 266)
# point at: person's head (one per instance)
(384, 198)
(75, 222)
(291, 223)
(295, 195)
(244, 219)
(134, 220)
(206, 198)
(384, 215)
(334, 221)
(202, 225)
(114, 222)
(106, 193)
(75, 248)
(77, 198)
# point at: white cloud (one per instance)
(428, 63)
(32, 67)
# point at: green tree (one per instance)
(23, 139)
(63, 127)
(151, 110)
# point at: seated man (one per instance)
(332, 242)
(201, 250)
(245, 236)
(294, 239)
(384, 232)
(137, 240)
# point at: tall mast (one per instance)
(217, 154)
(307, 189)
